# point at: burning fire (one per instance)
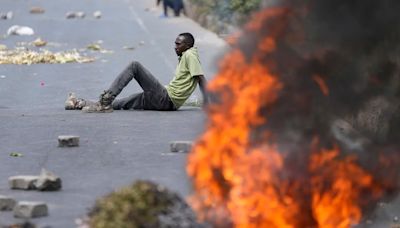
(269, 156)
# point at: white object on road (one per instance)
(26, 209)
(20, 30)
(97, 14)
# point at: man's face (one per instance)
(180, 45)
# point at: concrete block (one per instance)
(22, 182)
(181, 146)
(6, 203)
(68, 140)
(26, 209)
(48, 181)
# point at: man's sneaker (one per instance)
(106, 98)
(97, 108)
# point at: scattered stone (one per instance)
(395, 219)
(22, 182)
(26, 209)
(181, 146)
(36, 10)
(68, 140)
(39, 42)
(71, 15)
(129, 48)
(7, 16)
(16, 154)
(48, 181)
(26, 56)
(97, 14)
(80, 14)
(20, 30)
(7, 203)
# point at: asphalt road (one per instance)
(116, 148)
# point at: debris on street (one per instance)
(37, 10)
(26, 56)
(6, 16)
(181, 146)
(6, 203)
(15, 154)
(97, 14)
(71, 14)
(39, 42)
(47, 181)
(20, 30)
(68, 140)
(27, 209)
(22, 182)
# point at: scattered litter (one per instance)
(79, 14)
(141, 43)
(15, 154)
(97, 14)
(395, 219)
(131, 48)
(7, 16)
(97, 47)
(39, 42)
(115, 142)
(20, 30)
(3, 47)
(41, 83)
(2, 76)
(26, 56)
(94, 47)
(36, 10)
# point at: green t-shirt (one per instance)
(185, 82)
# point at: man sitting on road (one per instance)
(155, 96)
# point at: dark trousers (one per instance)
(176, 5)
(153, 97)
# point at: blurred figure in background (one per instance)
(176, 5)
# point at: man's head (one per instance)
(183, 42)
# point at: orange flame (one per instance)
(242, 183)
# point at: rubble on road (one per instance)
(37, 10)
(97, 14)
(22, 182)
(6, 16)
(181, 146)
(26, 56)
(6, 203)
(68, 140)
(47, 181)
(27, 209)
(39, 42)
(71, 15)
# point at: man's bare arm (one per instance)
(203, 88)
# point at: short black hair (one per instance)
(189, 39)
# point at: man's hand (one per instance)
(203, 89)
